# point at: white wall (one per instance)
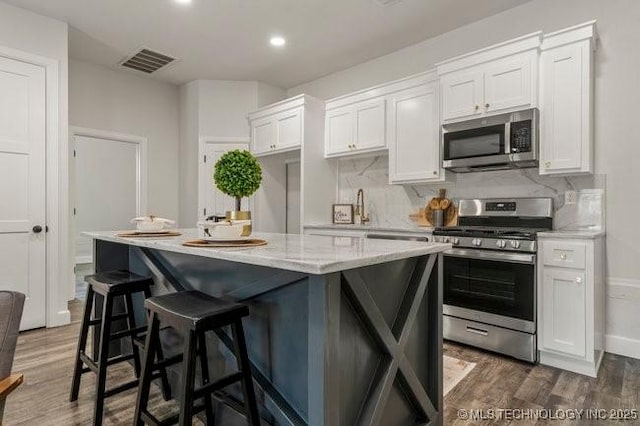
(213, 108)
(104, 99)
(42, 36)
(616, 94)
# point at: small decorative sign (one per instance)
(343, 214)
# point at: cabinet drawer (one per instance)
(566, 255)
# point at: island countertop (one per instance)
(310, 254)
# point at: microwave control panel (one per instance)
(521, 136)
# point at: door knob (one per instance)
(37, 229)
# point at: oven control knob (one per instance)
(515, 244)
(446, 239)
(501, 243)
(477, 242)
(455, 241)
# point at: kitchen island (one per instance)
(342, 330)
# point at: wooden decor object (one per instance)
(225, 244)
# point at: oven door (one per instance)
(492, 287)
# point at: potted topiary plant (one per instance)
(238, 174)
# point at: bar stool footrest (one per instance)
(209, 388)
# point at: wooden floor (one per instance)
(45, 357)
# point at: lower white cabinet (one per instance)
(571, 303)
(413, 134)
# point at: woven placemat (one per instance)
(254, 242)
(142, 234)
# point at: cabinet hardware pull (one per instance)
(579, 280)
(477, 107)
(563, 256)
(486, 105)
(477, 331)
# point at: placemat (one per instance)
(245, 243)
(142, 234)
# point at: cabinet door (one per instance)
(414, 144)
(338, 130)
(508, 84)
(565, 121)
(263, 135)
(289, 129)
(563, 311)
(370, 125)
(462, 94)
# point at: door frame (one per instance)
(202, 169)
(142, 176)
(58, 267)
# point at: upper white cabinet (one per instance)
(355, 126)
(413, 134)
(494, 80)
(566, 107)
(402, 116)
(278, 127)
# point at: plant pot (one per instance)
(241, 215)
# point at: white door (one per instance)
(414, 144)
(508, 84)
(462, 94)
(563, 310)
(263, 135)
(289, 124)
(215, 201)
(565, 90)
(22, 186)
(108, 190)
(370, 125)
(339, 130)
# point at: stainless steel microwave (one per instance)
(499, 142)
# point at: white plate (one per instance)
(152, 231)
(225, 240)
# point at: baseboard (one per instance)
(624, 346)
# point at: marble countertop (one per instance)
(371, 228)
(579, 234)
(310, 254)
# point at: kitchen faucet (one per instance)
(360, 207)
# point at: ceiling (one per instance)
(229, 39)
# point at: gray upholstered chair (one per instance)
(11, 304)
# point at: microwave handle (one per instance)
(507, 138)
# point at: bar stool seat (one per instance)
(193, 313)
(111, 285)
(195, 310)
(118, 282)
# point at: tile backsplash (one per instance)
(390, 205)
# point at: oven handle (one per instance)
(507, 138)
(492, 255)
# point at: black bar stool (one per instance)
(112, 284)
(193, 313)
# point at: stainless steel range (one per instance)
(490, 274)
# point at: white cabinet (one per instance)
(566, 136)
(462, 94)
(355, 128)
(277, 128)
(498, 79)
(563, 309)
(413, 135)
(571, 303)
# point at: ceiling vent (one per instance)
(386, 3)
(147, 61)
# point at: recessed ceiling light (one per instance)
(277, 41)
(183, 1)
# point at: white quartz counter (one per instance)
(370, 228)
(310, 254)
(579, 234)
